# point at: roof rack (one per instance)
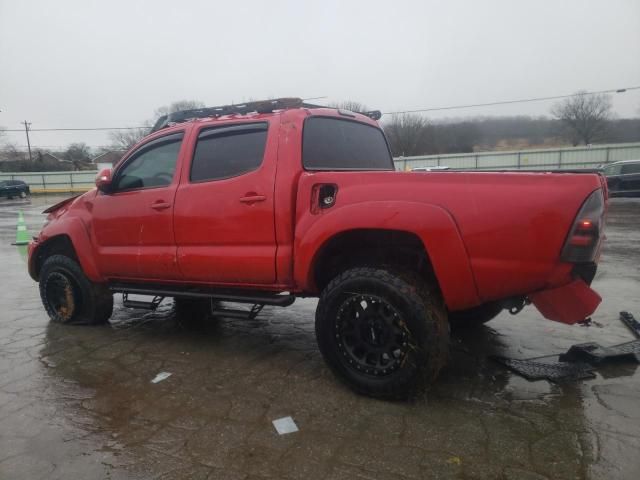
(260, 106)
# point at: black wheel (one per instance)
(474, 317)
(23, 195)
(70, 297)
(193, 312)
(384, 333)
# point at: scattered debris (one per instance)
(589, 322)
(538, 369)
(595, 353)
(285, 425)
(580, 360)
(630, 321)
(160, 377)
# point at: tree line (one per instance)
(579, 119)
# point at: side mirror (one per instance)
(103, 180)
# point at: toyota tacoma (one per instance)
(264, 202)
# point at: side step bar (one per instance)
(238, 296)
(152, 305)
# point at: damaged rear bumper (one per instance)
(569, 303)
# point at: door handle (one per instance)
(160, 205)
(253, 198)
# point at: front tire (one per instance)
(384, 333)
(70, 297)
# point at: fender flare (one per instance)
(434, 225)
(75, 230)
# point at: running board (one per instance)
(239, 314)
(237, 296)
(152, 305)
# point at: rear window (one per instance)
(336, 144)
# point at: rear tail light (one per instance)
(583, 242)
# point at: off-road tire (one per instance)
(474, 317)
(420, 313)
(85, 302)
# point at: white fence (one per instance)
(54, 182)
(560, 158)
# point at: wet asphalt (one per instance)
(78, 402)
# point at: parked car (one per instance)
(14, 188)
(623, 178)
(438, 168)
(265, 202)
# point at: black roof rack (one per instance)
(260, 106)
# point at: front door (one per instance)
(224, 216)
(133, 223)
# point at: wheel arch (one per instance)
(70, 239)
(413, 225)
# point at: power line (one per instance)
(419, 110)
(76, 129)
(505, 102)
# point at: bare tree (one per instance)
(125, 139)
(586, 116)
(350, 105)
(409, 134)
(77, 152)
(177, 106)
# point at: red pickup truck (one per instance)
(262, 203)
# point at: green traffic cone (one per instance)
(22, 234)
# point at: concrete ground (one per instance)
(78, 402)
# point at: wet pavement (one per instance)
(78, 402)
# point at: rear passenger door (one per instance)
(224, 216)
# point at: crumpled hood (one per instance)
(58, 205)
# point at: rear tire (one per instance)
(474, 317)
(384, 333)
(70, 297)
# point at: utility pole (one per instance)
(26, 130)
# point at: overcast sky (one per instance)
(112, 63)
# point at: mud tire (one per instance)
(84, 302)
(420, 312)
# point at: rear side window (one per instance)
(628, 168)
(225, 152)
(335, 144)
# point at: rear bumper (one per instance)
(569, 303)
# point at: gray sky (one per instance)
(111, 63)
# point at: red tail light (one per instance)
(584, 238)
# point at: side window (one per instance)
(629, 168)
(612, 170)
(225, 152)
(151, 166)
